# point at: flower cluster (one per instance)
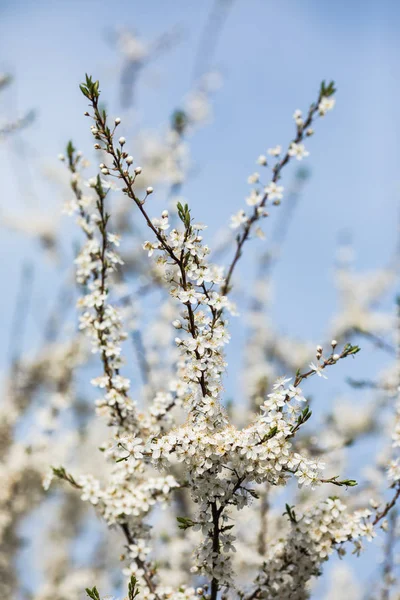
(193, 282)
(100, 321)
(272, 192)
(125, 498)
(292, 562)
(221, 465)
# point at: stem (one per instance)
(147, 575)
(241, 239)
(215, 515)
(381, 515)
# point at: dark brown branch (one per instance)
(381, 515)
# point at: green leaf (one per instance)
(349, 349)
(271, 433)
(349, 482)
(185, 523)
(341, 483)
(133, 589)
(179, 121)
(122, 458)
(93, 593)
(327, 90)
(290, 513)
(84, 90)
(61, 473)
(70, 149)
(90, 89)
(184, 214)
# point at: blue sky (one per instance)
(273, 56)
